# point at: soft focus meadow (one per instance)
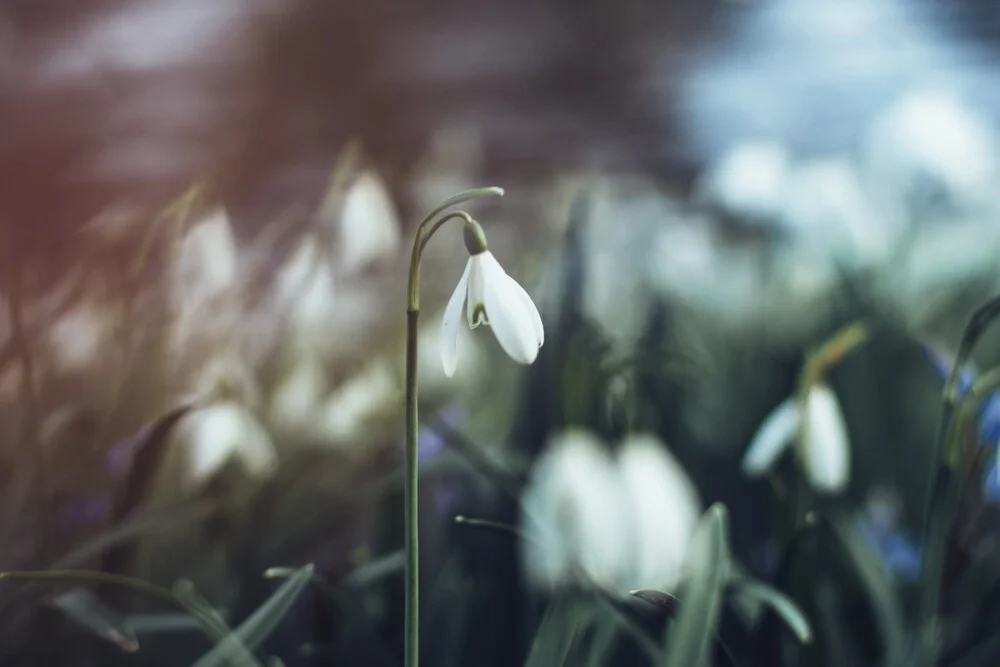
(763, 239)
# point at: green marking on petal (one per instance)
(479, 315)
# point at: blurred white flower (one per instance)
(826, 206)
(220, 433)
(355, 412)
(773, 436)
(207, 263)
(77, 337)
(747, 183)
(574, 505)
(297, 395)
(305, 287)
(622, 525)
(497, 300)
(369, 225)
(204, 287)
(825, 449)
(665, 511)
(928, 154)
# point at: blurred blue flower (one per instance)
(991, 484)
(989, 415)
(900, 555)
(431, 443)
(989, 421)
(942, 365)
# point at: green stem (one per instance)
(208, 624)
(427, 227)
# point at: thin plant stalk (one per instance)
(427, 227)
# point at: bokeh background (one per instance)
(206, 212)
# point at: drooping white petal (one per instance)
(513, 324)
(77, 336)
(772, 438)
(297, 395)
(206, 265)
(205, 281)
(573, 507)
(220, 433)
(665, 512)
(747, 183)
(528, 306)
(353, 414)
(305, 288)
(369, 225)
(475, 309)
(826, 449)
(452, 322)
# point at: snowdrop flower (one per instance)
(747, 183)
(204, 285)
(369, 225)
(825, 450)
(222, 432)
(297, 394)
(624, 524)
(772, 438)
(665, 509)
(929, 154)
(574, 504)
(492, 298)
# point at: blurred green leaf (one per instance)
(90, 613)
(566, 621)
(781, 604)
(253, 631)
(875, 581)
(185, 591)
(689, 638)
(603, 640)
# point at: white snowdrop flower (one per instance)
(222, 432)
(826, 207)
(304, 287)
(748, 182)
(76, 337)
(619, 524)
(574, 505)
(353, 411)
(369, 225)
(665, 509)
(772, 438)
(493, 298)
(825, 447)
(297, 394)
(204, 282)
(927, 153)
(207, 263)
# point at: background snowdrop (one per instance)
(825, 448)
(824, 451)
(625, 522)
(218, 434)
(205, 283)
(665, 509)
(574, 506)
(369, 227)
